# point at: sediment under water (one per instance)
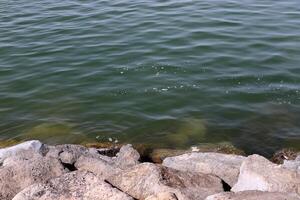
(169, 73)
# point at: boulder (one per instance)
(105, 166)
(78, 185)
(253, 195)
(148, 180)
(101, 168)
(18, 172)
(292, 164)
(34, 146)
(127, 157)
(162, 196)
(258, 173)
(225, 166)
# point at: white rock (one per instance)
(18, 172)
(253, 195)
(258, 173)
(78, 185)
(225, 166)
(151, 181)
(33, 145)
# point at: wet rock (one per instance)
(158, 155)
(285, 154)
(253, 195)
(20, 171)
(79, 185)
(225, 166)
(34, 146)
(147, 180)
(258, 173)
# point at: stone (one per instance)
(225, 166)
(150, 180)
(34, 146)
(163, 196)
(258, 173)
(127, 157)
(101, 168)
(158, 155)
(292, 164)
(78, 185)
(285, 154)
(18, 172)
(253, 195)
(105, 166)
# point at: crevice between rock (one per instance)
(119, 189)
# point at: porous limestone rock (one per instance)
(253, 195)
(225, 166)
(78, 185)
(258, 173)
(147, 179)
(18, 172)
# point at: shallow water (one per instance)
(170, 73)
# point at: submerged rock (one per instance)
(253, 195)
(79, 185)
(54, 133)
(150, 181)
(158, 155)
(258, 173)
(188, 130)
(227, 167)
(9, 143)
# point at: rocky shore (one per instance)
(36, 171)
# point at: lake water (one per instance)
(166, 73)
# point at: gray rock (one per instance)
(149, 180)
(79, 185)
(105, 166)
(18, 172)
(253, 195)
(292, 164)
(258, 173)
(127, 157)
(33, 145)
(101, 168)
(225, 166)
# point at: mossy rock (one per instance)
(221, 147)
(158, 155)
(187, 131)
(54, 133)
(285, 154)
(9, 143)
